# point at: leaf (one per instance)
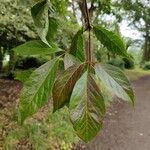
(37, 89)
(115, 80)
(40, 15)
(87, 107)
(35, 48)
(53, 27)
(110, 40)
(77, 47)
(64, 85)
(69, 61)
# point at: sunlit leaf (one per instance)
(115, 80)
(35, 48)
(37, 89)
(77, 46)
(87, 107)
(64, 85)
(110, 40)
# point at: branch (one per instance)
(88, 25)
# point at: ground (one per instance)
(125, 127)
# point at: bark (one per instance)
(146, 53)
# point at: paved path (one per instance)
(125, 127)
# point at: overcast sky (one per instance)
(128, 31)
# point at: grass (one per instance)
(54, 132)
(136, 73)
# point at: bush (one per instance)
(146, 65)
(118, 62)
(128, 63)
(7, 75)
(29, 62)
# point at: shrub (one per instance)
(117, 62)
(7, 75)
(146, 65)
(128, 63)
(29, 62)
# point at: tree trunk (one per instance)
(146, 52)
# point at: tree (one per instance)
(16, 27)
(79, 84)
(138, 12)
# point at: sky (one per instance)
(127, 31)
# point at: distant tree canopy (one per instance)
(138, 13)
(16, 25)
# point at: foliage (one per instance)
(16, 25)
(118, 62)
(28, 62)
(48, 134)
(35, 48)
(128, 63)
(146, 66)
(42, 79)
(115, 80)
(7, 75)
(22, 75)
(111, 41)
(76, 86)
(138, 15)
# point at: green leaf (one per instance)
(77, 46)
(64, 85)
(87, 107)
(37, 89)
(35, 48)
(115, 81)
(53, 27)
(40, 15)
(110, 40)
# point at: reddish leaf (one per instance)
(64, 85)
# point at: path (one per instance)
(125, 127)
